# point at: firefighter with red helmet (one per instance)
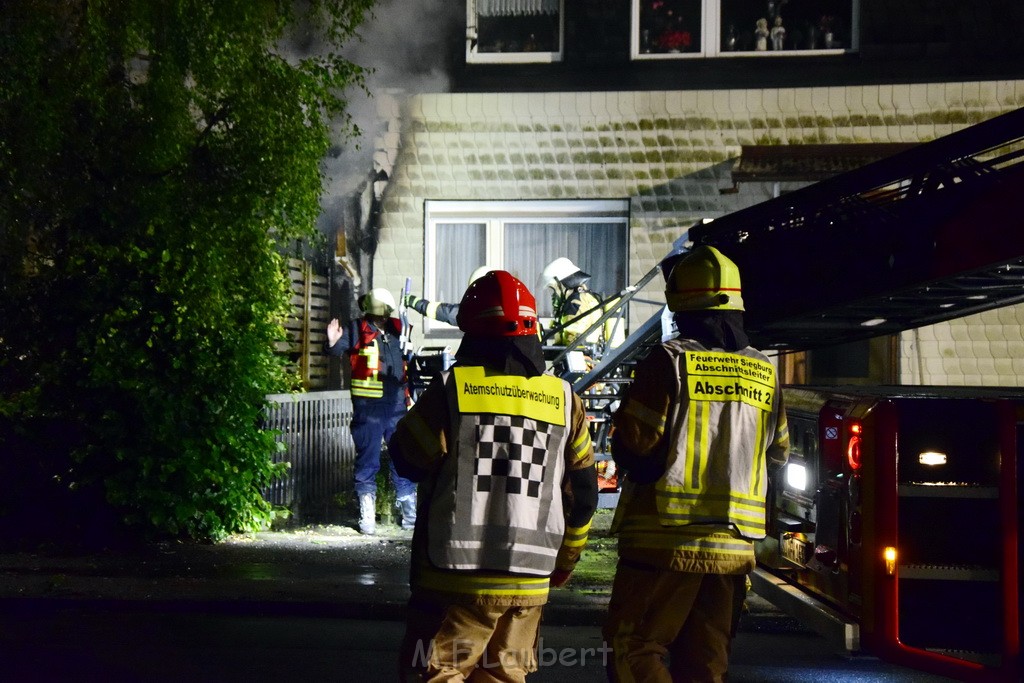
(507, 492)
(380, 395)
(697, 432)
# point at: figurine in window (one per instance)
(778, 34)
(761, 35)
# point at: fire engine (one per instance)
(894, 529)
(898, 513)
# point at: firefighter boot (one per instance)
(367, 513)
(407, 505)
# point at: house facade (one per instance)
(601, 130)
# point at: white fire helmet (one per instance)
(378, 301)
(563, 272)
(479, 273)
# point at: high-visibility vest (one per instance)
(611, 333)
(716, 473)
(586, 301)
(365, 360)
(497, 503)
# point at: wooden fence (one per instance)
(314, 427)
(307, 324)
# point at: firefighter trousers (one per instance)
(478, 643)
(688, 619)
(373, 423)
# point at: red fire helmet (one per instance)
(498, 305)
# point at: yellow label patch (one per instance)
(717, 376)
(539, 398)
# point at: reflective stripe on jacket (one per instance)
(365, 361)
(679, 424)
(611, 333)
(509, 435)
(716, 471)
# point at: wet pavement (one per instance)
(319, 604)
(329, 571)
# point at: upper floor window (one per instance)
(667, 29)
(512, 31)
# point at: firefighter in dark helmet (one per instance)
(508, 488)
(698, 430)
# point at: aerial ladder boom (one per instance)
(927, 235)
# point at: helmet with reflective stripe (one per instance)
(378, 301)
(704, 280)
(564, 272)
(498, 305)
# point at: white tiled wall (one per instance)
(670, 153)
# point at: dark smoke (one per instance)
(406, 48)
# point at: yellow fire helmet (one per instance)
(704, 280)
(378, 301)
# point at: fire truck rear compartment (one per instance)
(949, 529)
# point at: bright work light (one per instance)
(796, 476)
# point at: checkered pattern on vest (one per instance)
(511, 455)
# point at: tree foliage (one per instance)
(155, 157)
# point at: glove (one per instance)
(560, 577)
(410, 300)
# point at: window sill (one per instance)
(513, 57)
(759, 54)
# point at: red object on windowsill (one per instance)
(674, 40)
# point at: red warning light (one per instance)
(853, 446)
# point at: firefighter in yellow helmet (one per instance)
(576, 308)
(494, 445)
(699, 428)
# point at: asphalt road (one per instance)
(317, 604)
(113, 642)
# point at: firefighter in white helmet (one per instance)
(697, 431)
(576, 308)
(445, 312)
(380, 396)
(507, 492)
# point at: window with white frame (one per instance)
(514, 31)
(670, 29)
(522, 237)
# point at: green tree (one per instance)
(156, 158)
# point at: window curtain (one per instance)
(509, 8)
(461, 249)
(596, 248)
